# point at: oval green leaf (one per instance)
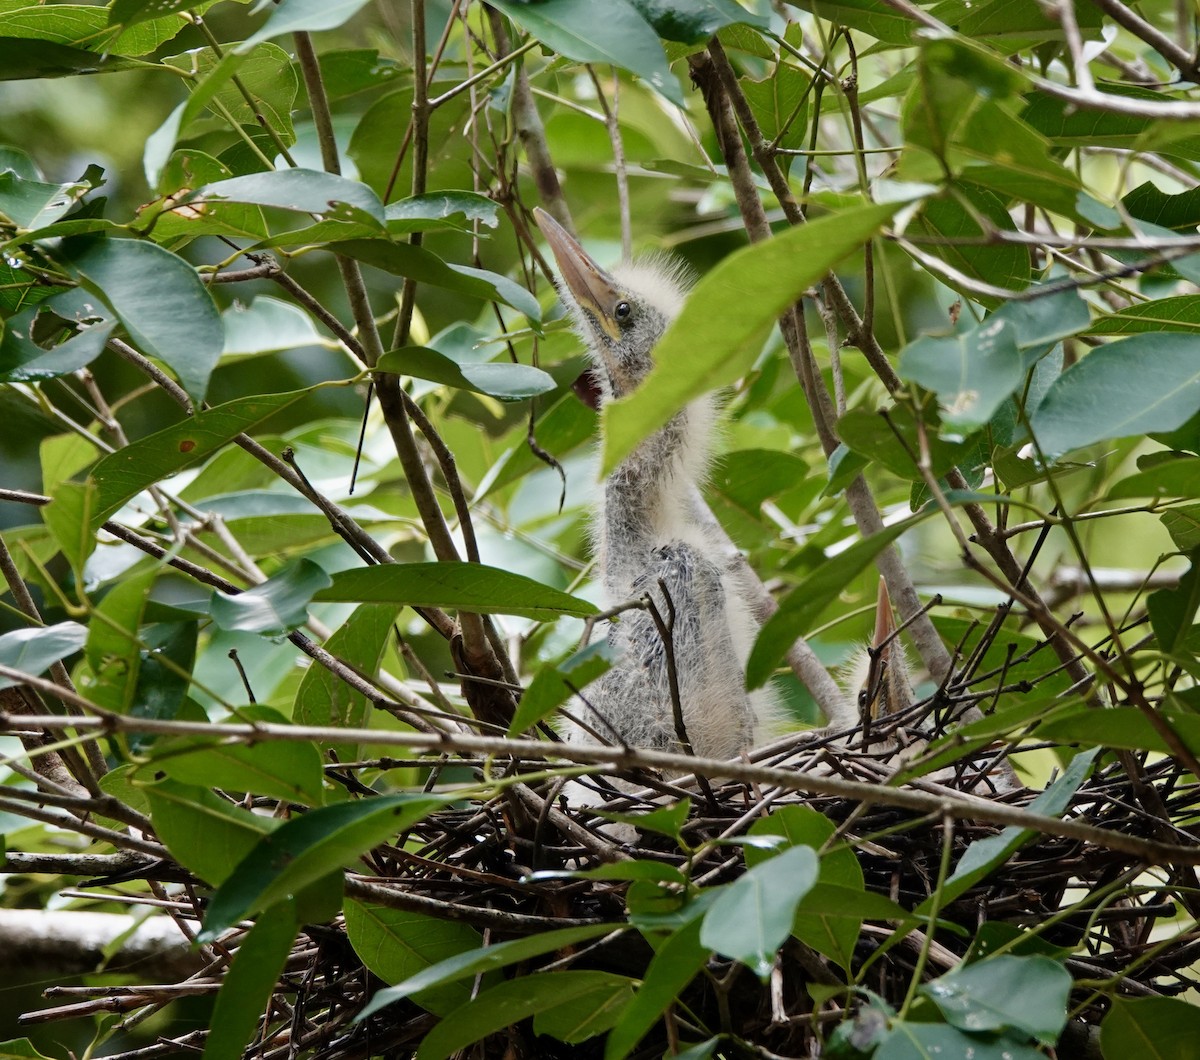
(167, 311)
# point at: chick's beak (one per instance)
(592, 288)
(882, 644)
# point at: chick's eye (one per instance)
(622, 312)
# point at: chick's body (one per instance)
(651, 543)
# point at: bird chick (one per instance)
(649, 540)
(877, 679)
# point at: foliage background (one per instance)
(1035, 265)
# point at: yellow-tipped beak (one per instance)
(592, 288)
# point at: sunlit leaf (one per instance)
(1134, 385)
(733, 307)
(507, 381)
(34, 649)
(459, 586)
(753, 915)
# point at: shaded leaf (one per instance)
(517, 999)
(323, 698)
(1153, 1028)
(396, 944)
(122, 475)
(205, 833)
(1172, 611)
(484, 960)
(278, 605)
(307, 848)
(800, 608)
(694, 21)
(283, 769)
(250, 981)
(1024, 994)
(676, 963)
(404, 259)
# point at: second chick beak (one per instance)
(592, 288)
(876, 698)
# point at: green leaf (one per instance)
(676, 964)
(930, 1041)
(971, 373)
(517, 999)
(1131, 386)
(753, 915)
(614, 33)
(294, 16)
(872, 17)
(800, 608)
(1178, 313)
(205, 833)
(324, 698)
(159, 298)
(506, 381)
(278, 605)
(1175, 477)
(457, 586)
(552, 686)
(281, 769)
(1024, 994)
(694, 21)
(835, 937)
(488, 959)
(396, 944)
(1151, 1028)
(267, 325)
(985, 855)
(22, 59)
(588, 1013)
(665, 820)
(267, 75)
(122, 475)
(248, 985)
(1172, 611)
(1120, 727)
(733, 306)
(34, 649)
(298, 190)
(69, 517)
(114, 652)
(947, 219)
(440, 209)
(20, 1049)
(161, 143)
(307, 848)
(404, 259)
(30, 204)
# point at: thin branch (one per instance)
(927, 798)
